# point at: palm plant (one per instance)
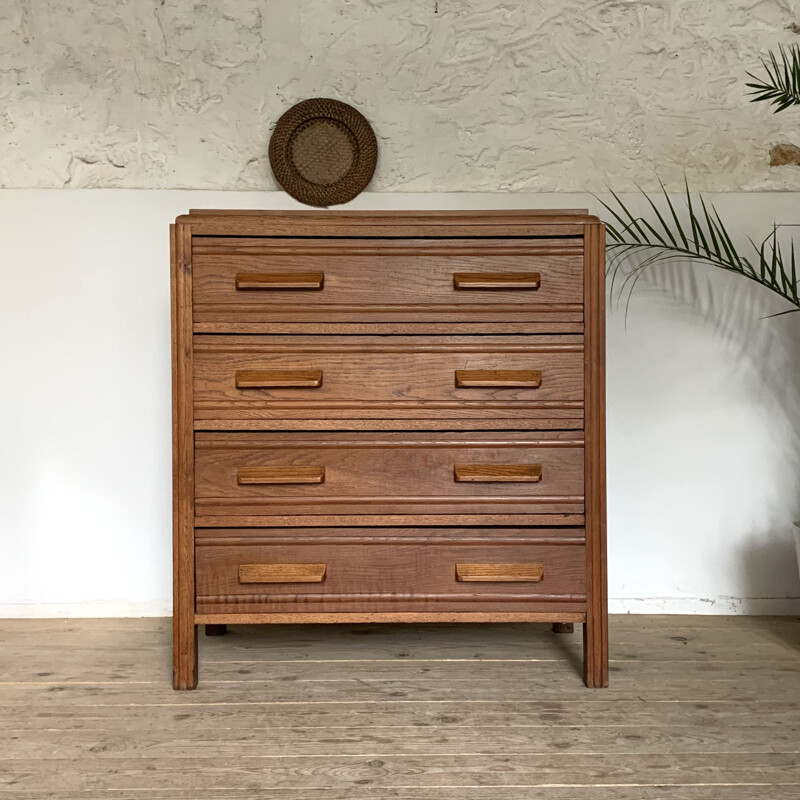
(696, 233)
(781, 86)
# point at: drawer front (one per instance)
(388, 473)
(285, 280)
(438, 575)
(252, 377)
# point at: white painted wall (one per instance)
(703, 403)
(464, 95)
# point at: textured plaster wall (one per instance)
(465, 95)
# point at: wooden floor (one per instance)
(699, 707)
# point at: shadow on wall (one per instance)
(767, 565)
(763, 351)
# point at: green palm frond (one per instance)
(781, 86)
(696, 234)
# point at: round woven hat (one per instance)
(323, 152)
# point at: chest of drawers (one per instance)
(388, 416)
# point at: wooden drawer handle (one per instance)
(498, 378)
(280, 280)
(496, 280)
(281, 573)
(498, 473)
(278, 378)
(500, 573)
(264, 476)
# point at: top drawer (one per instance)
(387, 280)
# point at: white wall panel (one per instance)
(703, 410)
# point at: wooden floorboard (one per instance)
(699, 708)
(716, 791)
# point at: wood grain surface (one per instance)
(252, 377)
(595, 630)
(404, 473)
(499, 378)
(391, 577)
(184, 627)
(272, 281)
(497, 280)
(498, 473)
(500, 573)
(370, 327)
(268, 476)
(545, 519)
(282, 573)
(700, 708)
(388, 280)
(487, 534)
(554, 611)
(391, 397)
(370, 224)
(278, 378)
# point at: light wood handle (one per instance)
(280, 280)
(498, 378)
(264, 476)
(278, 378)
(281, 573)
(500, 573)
(498, 473)
(496, 280)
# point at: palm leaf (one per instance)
(636, 243)
(781, 85)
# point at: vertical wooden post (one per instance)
(595, 629)
(184, 630)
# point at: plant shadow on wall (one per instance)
(657, 242)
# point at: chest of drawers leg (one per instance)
(388, 417)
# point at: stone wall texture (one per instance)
(464, 95)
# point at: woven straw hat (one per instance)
(323, 152)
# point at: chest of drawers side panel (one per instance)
(184, 627)
(595, 630)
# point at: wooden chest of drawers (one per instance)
(388, 416)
